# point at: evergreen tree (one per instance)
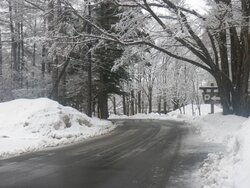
(105, 55)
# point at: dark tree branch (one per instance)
(169, 53)
(196, 38)
(35, 5)
(214, 48)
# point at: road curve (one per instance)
(138, 154)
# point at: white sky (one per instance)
(197, 4)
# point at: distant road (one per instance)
(138, 154)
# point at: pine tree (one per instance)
(108, 81)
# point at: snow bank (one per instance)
(32, 124)
(229, 168)
(218, 128)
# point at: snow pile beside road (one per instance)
(229, 168)
(218, 128)
(32, 124)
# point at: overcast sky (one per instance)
(197, 4)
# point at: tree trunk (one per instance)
(94, 107)
(143, 106)
(44, 54)
(234, 94)
(150, 93)
(89, 56)
(132, 103)
(34, 47)
(1, 56)
(136, 106)
(114, 104)
(22, 65)
(159, 105)
(184, 110)
(18, 35)
(165, 107)
(13, 39)
(103, 106)
(165, 102)
(176, 104)
(139, 102)
(1, 67)
(50, 18)
(58, 77)
(124, 104)
(193, 112)
(128, 106)
(63, 95)
(55, 81)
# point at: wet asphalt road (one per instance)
(138, 154)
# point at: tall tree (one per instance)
(13, 38)
(89, 57)
(1, 56)
(105, 54)
(176, 28)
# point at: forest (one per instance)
(125, 57)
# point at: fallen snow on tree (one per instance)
(32, 124)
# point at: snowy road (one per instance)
(138, 154)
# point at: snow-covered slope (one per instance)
(32, 124)
(229, 168)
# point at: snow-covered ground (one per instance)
(205, 109)
(33, 124)
(228, 168)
